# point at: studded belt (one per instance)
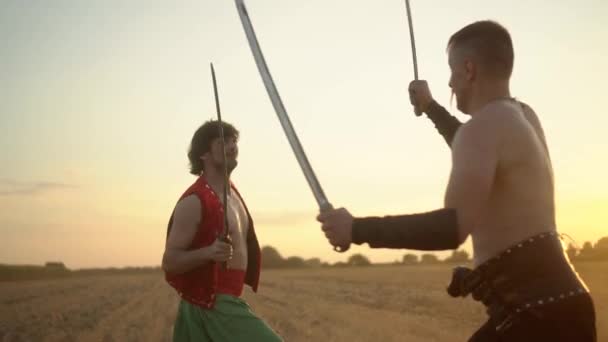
(532, 273)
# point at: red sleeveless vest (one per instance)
(199, 286)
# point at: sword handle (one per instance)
(326, 207)
(225, 238)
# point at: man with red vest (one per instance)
(207, 271)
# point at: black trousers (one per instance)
(568, 320)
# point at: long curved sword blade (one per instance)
(413, 42)
(415, 60)
(279, 108)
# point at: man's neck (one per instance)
(215, 179)
(487, 92)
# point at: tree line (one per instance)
(271, 258)
(589, 251)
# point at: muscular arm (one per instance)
(474, 162)
(432, 230)
(475, 154)
(186, 218)
(445, 123)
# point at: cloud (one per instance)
(11, 187)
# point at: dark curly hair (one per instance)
(202, 139)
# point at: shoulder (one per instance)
(489, 124)
(188, 207)
(531, 115)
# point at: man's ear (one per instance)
(470, 69)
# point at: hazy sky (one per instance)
(99, 100)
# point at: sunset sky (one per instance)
(99, 101)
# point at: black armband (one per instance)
(431, 231)
(445, 123)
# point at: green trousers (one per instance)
(231, 320)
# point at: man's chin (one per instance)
(461, 107)
(231, 165)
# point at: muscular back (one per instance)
(519, 202)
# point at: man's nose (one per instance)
(231, 146)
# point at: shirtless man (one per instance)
(500, 193)
(207, 272)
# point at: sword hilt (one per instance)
(323, 207)
(225, 238)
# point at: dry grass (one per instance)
(392, 303)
